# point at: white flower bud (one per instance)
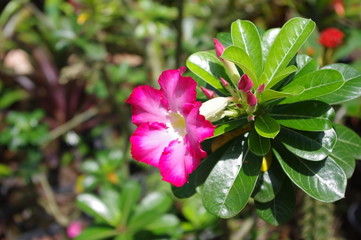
(213, 109)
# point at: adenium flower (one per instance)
(245, 84)
(74, 229)
(331, 37)
(169, 126)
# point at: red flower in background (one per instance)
(331, 37)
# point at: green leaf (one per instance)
(307, 115)
(229, 126)
(128, 199)
(165, 224)
(245, 35)
(296, 31)
(313, 146)
(232, 180)
(349, 140)
(281, 208)
(323, 180)
(270, 94)
(149, 209)
(305, 65)
(269, 183)
(225, 38)
(266, 126)
(94, 207)
(257, 144)
(208, 67)
(5, 170)
(281, 75)
(95, 233)
(267, 41)
(316, 84)
(240, 58)
(350, 90)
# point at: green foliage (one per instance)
(291, 127)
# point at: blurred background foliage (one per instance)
(66, 68)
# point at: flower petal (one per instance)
(197, 126)
(149, 141)
(178, 90)
(176, 163)
(148, 105)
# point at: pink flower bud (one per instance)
(245, 84)
(251, 99)
(225, 84)
(219, 47)
(209, 93)
(74, 229)
(261, 88)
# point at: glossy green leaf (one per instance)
(313, 146)
(165, 224)
(258, 145)
(95, 207)
(129, 196)
(110, 197)
(231, 182)
(349, 140)
(305, 65)
(149, 209)
(269, 183)
(229, 126)
(316, 84)
(296, 31)
(241, 59)
(307, 115)
(245, 35)
(323, 180)
(350, 90)
(266, 126)
(270, 94)
(95, 233)
(225, 38)
(267, 41)
(208, 67)
(281, 75)
(281, 208)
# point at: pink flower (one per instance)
(74, 229)
(251, 99)
(170, 128)
(219, 47)
(245, 84)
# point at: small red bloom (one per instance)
(331, 37)
(245, 84)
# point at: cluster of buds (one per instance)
(242, 100)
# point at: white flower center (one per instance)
(177, 124)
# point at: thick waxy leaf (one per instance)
(350, 90)
(225, 38)
(313, 146)
(305, 65)
(270, 94)
(281, 208)
(240, 57)
(165, 224)
(266, 126)
(95, 207)
(208, 67)
(343, 159)
(245, 35)
(348, 140)
(229, 126)
(307, 116)
(95, 233)
(281, 75)
(296, 31)
(316, 84)
(269, 183)
(231, 182)
(323, 180)
(150, 208)
(267, 40)
(257, 144)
